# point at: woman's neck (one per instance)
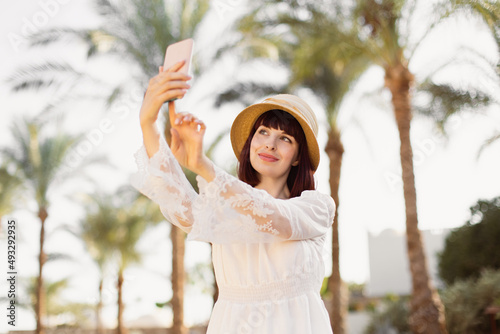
(275, 187)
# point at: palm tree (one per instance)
(96, 230)
(427, 311)
(137, 32)
(132, 215)
(54, 306)
(111, 229)
(40, 161)
(387, 46)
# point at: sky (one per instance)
(448, 174)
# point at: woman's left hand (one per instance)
(187, 141)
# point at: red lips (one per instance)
(267, 157)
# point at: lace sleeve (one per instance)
(161, 179)
(231, 211)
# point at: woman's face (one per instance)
(273, 152)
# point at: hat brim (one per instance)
(244, 122)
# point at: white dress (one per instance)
(267, 252)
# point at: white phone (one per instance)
(177, 52)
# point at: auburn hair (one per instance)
(301, 177)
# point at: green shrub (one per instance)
(465, 303)
(392, 316)
(474, 246)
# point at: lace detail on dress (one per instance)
(237, 212)
(161, 179)
(268, 227)
(231, 211)
(248, 203)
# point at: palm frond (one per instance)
(44, 75)
(114, 223)
(486, 10)
(75, 166)
(192, 14)
(56, 35)
(106, 9)
(440, 101)
(51, 257)
(40, 158)
(247, 93)
(11, 187)
(215, 143)
(490, 141)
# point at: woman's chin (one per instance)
(270, 172)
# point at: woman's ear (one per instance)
(296, 163)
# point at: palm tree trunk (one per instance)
(40, 292)
(178, 247)
(427, 311)
(338, 307)
(120, 328)
(99, 326)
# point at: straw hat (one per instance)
(298, 108)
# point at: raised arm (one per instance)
(160, 176)
(167, 85)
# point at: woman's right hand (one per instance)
(165, 86)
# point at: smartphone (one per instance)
(177, 52)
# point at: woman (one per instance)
(267, 228)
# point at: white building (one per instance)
(388, 258)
